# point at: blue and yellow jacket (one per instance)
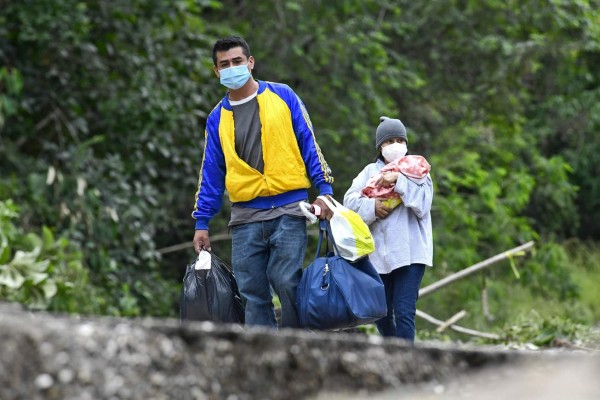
(290, 152)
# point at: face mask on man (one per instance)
(234, 77)
(394, 151)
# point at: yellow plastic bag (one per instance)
(350, 233)
(392, 202)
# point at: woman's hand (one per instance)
(388, 179)
(381, 211)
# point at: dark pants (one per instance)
(401, 292)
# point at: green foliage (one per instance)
(11, 84)
(551, 331)
(584, 259)
(105, 141)
(102, 105)
(547, 274)
(544, 295)
(40, 271)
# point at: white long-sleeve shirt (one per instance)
(404, 237)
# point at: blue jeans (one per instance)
(401, 292)
(269, 254)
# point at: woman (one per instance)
(402, 232)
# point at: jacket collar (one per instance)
(262, 85)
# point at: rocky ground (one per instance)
(60, 357)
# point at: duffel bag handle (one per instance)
(325, 230)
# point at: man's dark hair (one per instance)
(229, 43)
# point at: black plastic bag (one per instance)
(211, 294)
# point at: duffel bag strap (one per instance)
(322, 232)
(325, 230)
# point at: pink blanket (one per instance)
(413, 167)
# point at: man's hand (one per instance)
(326, 213)
(381, 211)
(201, 241)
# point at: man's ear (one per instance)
(251, 63)
(216, 71)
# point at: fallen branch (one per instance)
(472, 269)
(185, 245)
(457, 328)
(450, 321)
(216, 238)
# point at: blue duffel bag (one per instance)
(334, 293)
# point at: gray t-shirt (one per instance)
(247, 126)
(243, 215)
(248, 146)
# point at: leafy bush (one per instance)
(104, 142)
(550, 331)
(40, 271)
(102, 105)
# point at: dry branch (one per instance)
(472, 269)
(451, 321)
(216, 238)
(185, 245)
(457, 328)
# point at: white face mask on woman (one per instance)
(394, 151)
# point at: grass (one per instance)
(519, 314)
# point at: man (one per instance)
(260, 147)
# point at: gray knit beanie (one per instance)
(389, 128)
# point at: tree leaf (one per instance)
(10, 277)
(50, 289)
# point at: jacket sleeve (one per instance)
(316, 166)
(416, 196)
(356, 201)
(211, 181)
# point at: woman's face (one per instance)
(393, 140)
